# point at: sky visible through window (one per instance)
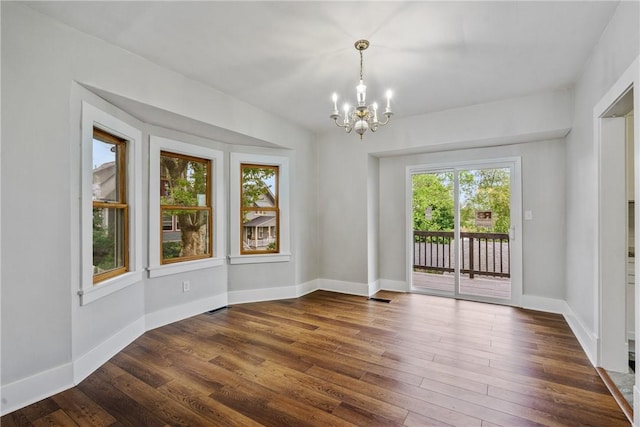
(102, 154)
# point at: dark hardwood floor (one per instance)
(331, 359)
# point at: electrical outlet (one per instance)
(186, 286)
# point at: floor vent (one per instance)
(380, 299)
(217, 309)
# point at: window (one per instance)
(259, 208)
(259, 211)
(185, 207)
(110, 205)
(110, 210)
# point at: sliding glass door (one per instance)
(463, 224)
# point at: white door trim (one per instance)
(627, 80)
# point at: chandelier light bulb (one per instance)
(361, 92)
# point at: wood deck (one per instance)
(330, 359)
(478, 286)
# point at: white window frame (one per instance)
(158, 144)
(94, 117)
(236, 159)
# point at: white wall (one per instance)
(616, 50)
(348, 175)
(342, 199)
(48, 340)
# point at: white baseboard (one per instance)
(265, 294)
(587, 339)
(84, 365)
(306, 288)
(32, 389)
(352, 288)
(394, 285)
(182, 311)
(373, 287)
(549, 305)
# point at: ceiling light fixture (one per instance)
(361, 117)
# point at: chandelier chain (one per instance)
(361, 61)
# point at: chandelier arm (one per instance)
(348, 127)
(386, 121)
(338, 124)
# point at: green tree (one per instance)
(485, 190)
(435, 191)
(103, 243)
(187, 180)
(255, 183)
(480, 190)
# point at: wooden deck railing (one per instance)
(483, 254)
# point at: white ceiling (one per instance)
(289, 57)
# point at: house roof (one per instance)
(261, 221)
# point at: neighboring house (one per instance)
(259, 227)
(170, 227)
(104, 187)
(104, 181)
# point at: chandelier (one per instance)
(361, 117)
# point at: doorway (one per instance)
(616, 247)
(463, 223)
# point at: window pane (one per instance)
(259, 231)
(259, 186)
(193, 238)
(106, 177)
(167, 222)
(108, 239)
(183, 180)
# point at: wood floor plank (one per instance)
(15, 419)
(417, 420)
(388, 400)
(281, 380)
(172, 412)
(139, 368)
(201, 404)
(332, 359)
(85, 411)
(396, 393)
(582, 413)
(40, 409)
(58, 418)
(127, 411)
